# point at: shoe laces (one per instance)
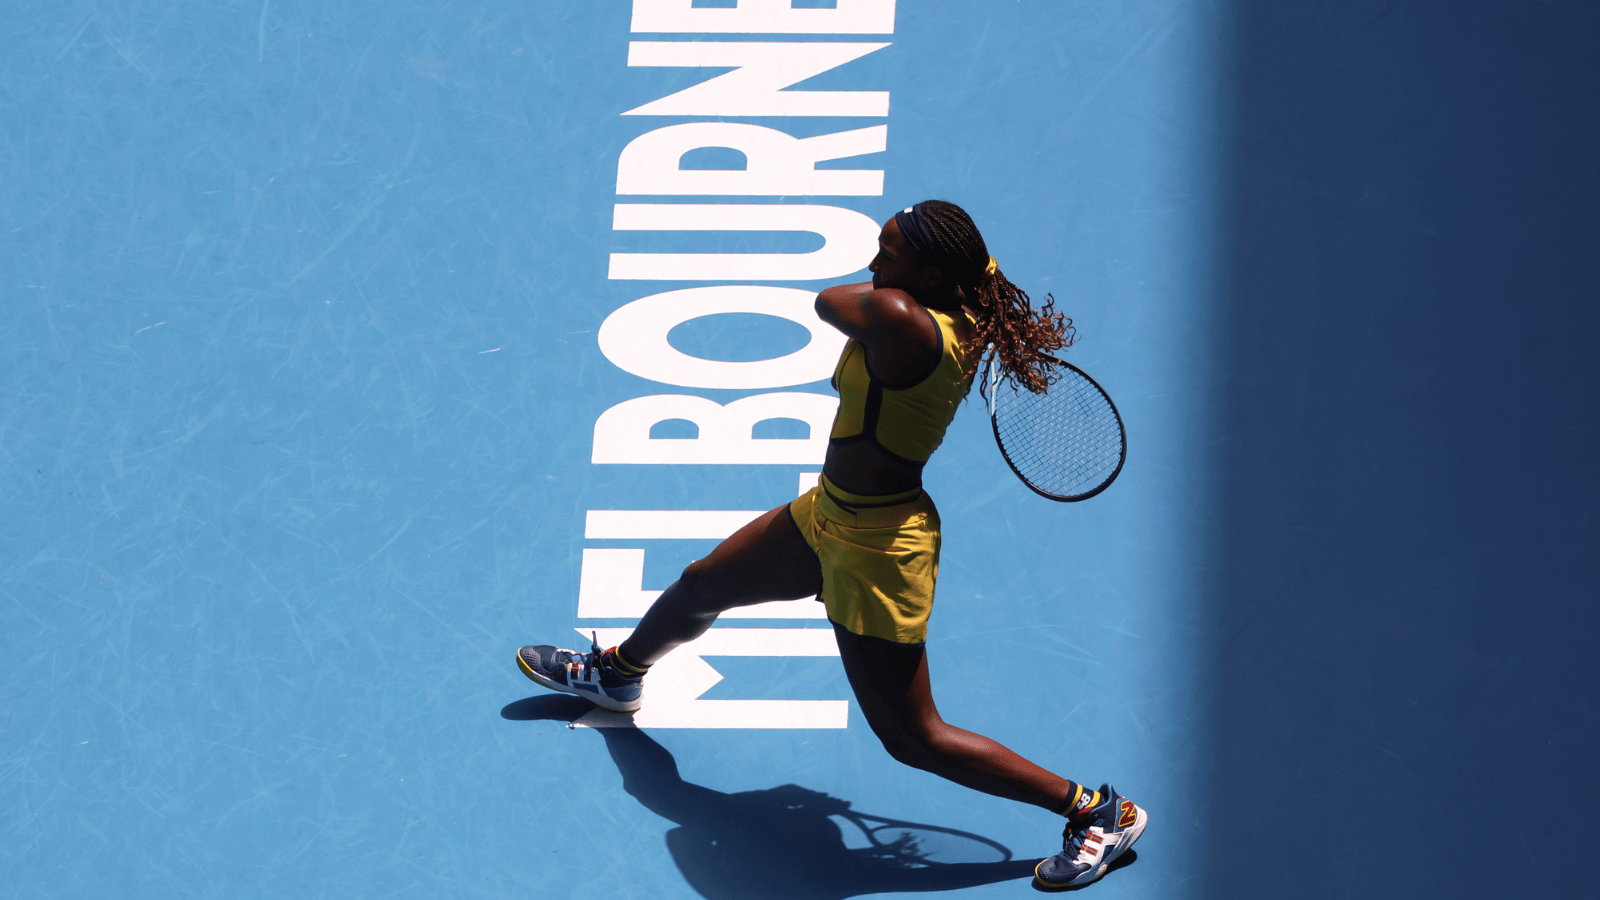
(1072, 838)
(583, 664)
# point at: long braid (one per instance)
(1023, 338)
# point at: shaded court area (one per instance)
(1406, 598)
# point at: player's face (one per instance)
(896, 264)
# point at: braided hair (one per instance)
(1022, 338)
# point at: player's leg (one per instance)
(891, 685)
(765, 560)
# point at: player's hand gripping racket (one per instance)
(1067, 443)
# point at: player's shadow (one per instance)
(781, 843)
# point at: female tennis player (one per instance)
(866, 539)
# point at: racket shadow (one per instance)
(785, 842)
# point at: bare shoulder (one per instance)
(868, 314)
(890, 304)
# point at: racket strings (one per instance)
(1066, 442)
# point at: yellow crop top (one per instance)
(906, 421)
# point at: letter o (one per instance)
(634, 337)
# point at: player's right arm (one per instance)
(900, 338)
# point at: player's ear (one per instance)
(932, 276)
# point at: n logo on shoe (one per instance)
(1128, 814)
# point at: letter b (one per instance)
(622, 433)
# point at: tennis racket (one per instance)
(1065, 444)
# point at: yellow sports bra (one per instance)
(906, 421)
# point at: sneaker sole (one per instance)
(1132, 834)
(600, 700)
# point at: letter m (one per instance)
(755, 87)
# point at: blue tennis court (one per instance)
(351, 346)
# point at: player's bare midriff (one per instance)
(861, 468)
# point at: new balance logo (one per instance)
(1128, 814)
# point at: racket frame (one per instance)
(992, 373)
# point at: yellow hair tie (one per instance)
(993, 267)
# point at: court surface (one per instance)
(323, 394)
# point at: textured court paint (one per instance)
(635, 338)
(764, 17)
(725, 433)
(774, 163)
(762, 71)
(277, 520)
(849, 241)
(658, 524)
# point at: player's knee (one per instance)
(906, 750)
(692, 582)
(908, 743)
(699, 591)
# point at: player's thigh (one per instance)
(767, 559)
(891, 685)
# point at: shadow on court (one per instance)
(786, 842)
(1411, 552)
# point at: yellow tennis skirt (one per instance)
(879, 555)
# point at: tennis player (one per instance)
(866, 539)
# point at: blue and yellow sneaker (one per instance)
(1091, 842)
(588, 675)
